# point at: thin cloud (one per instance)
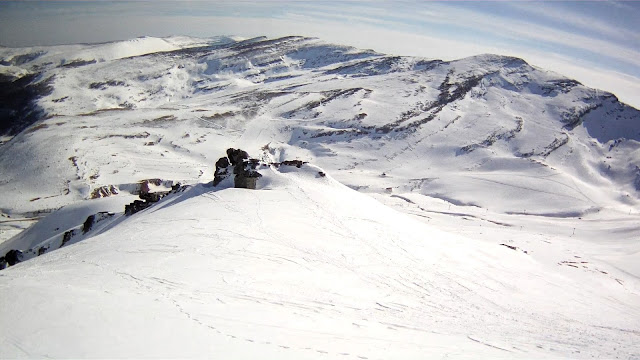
(582, 21)
(503, 27)
(428, 17)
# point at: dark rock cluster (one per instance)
(296, 163)
(11, 258)
(242, 167)
(147, 199)
(15, 256)
(66, 237)
(42, 250)
(237, 163)
(236, 156)
(104, 191)
(150, 198)
(222, 170)
(136, 206)
(94, 219)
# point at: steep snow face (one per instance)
(305, 268)
(488, 131)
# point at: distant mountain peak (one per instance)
(320, 98)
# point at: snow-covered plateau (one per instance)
(477, 208)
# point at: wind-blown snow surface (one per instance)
(478, 155)
(304, 267)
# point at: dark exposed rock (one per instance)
(136, 206)
(13, 257)
(553, 87)
(223, 162)
(296, 163)
(145, 185)
(142, 135)
(219, 176)
(495, 136)
(246, 176)
(152, 197)
(42, 250)
(66, 237)
(510, 246)
(104, 191)
(236, 156)
(574, 117)
(514, 248)
(3, 263)
(244, 168)
(321, 174)
(105, 84)
(149, 198)
(88, 224)
(77, 63)
(222, 170)
(245, 182)
(94, 219)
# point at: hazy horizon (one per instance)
(597, 43)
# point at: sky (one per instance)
(595, 42)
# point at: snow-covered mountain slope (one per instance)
(305, 267)
(472, 131)
(514, 193)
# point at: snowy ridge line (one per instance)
(383, 283)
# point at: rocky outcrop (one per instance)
(246, 182)
(149, 198)
(77, 233)
(296, 163)
(104, 191)
(141, 187)
(238, 164)
(146, 185)
(94, 219)
(222, 170)
(136, 206)
(42, 250)
(236, 156)
(13, 257)
(66, 237)
(246, 176)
